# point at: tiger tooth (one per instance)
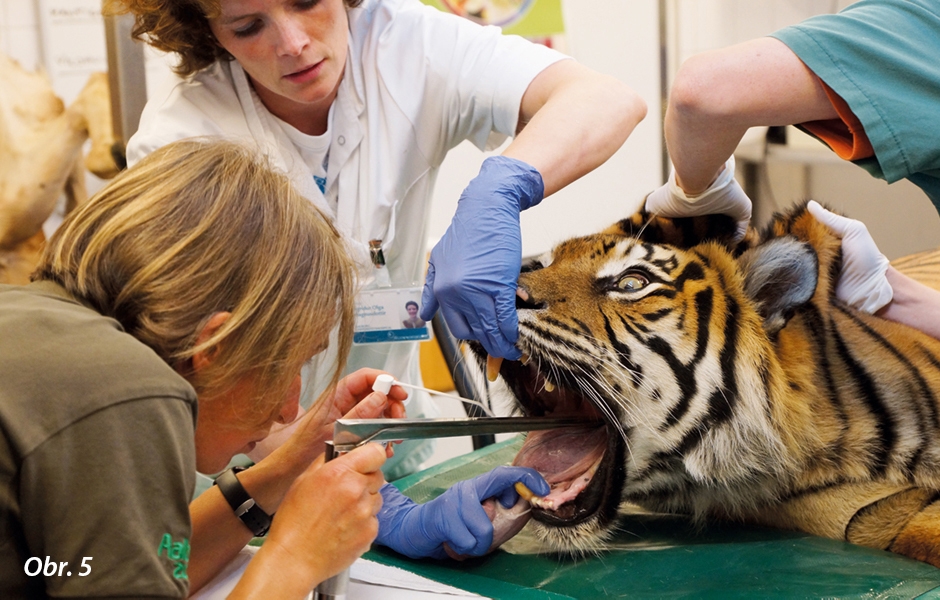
(543, 503)
(524, 360)
(529, 496)
(493, 364)
(549, 386)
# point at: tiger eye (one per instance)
(631, 283)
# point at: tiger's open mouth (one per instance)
(583, 466)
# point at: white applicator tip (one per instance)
(383, 383)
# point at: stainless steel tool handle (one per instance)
(336, 586)
(351, 433)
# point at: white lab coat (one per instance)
(417, 82)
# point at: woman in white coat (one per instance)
(360, 101)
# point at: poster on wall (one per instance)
(538, 20)
(73, 45)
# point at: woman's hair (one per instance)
(181, 27)
(200, 227)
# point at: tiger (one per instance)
(723, 380)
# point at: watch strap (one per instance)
(242, 503)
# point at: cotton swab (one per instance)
(383, 383)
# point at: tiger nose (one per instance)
(524, 300)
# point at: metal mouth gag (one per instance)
(349, 434)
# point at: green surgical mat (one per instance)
(659, 556)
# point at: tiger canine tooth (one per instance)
(493, 364)
(549, 386)
(530, 497)
(524, 359)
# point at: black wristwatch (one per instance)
(244, 505)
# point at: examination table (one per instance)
(660, 556)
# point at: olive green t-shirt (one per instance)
(97, 457)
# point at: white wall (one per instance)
(707, 24)
(617, 38)
(19, 32)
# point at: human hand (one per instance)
(723, 196)
(456, 517)
(862, 281)
(303, 440)
(355, 391)
(474, 269)
(329, 517)
(354, 398)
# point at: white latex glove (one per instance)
(723, 196)
(862, 282)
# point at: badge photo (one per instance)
(390, 315)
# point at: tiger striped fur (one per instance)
(732, 385)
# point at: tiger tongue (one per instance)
(566, 458)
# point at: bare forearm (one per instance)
(218, 535)
(718, 95)
(579, 118)
(914, 304)
(314, 538)
(698, 146)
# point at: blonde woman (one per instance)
(163, 333)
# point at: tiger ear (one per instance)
(779, 276)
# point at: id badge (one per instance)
(390, 315)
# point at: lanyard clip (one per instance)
(375, 252)
(382, 278)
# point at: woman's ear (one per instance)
(204, 357)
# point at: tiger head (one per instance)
(666, 332)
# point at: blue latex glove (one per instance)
(456, 516)
(474, 269)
